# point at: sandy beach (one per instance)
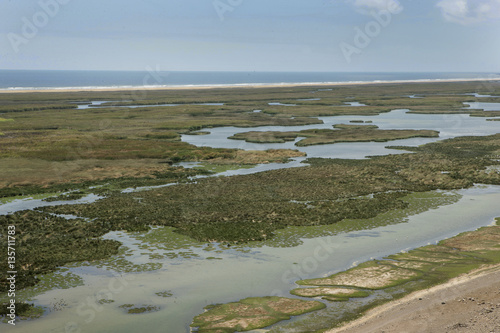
(232, 86)
(468, 303)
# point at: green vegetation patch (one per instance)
(355, 127)
(418, 202)
(251, 313)
(165, 294)
(95, 178)
(205, 216)
(45, 242)
(132, 309)
(265, 137)
(105, 301)
(346, 133)
(159, 239)
(23, 311)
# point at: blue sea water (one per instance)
(39, 79)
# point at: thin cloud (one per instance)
(469, 12)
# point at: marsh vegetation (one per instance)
(49, 146)
(346, 133)
(49, 142)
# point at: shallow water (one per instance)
(483, 106)
(280, 104)
(480, 96)
(92, 104)
(199, 274)
(31, 203)
(98, 105)
(355, 104)
(449, 126)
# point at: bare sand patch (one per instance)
(482, 239)
(291, 306)
(371, 275)
(330, 293)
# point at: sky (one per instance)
(251, 35)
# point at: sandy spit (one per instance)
(195, 87)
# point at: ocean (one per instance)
(41, 79)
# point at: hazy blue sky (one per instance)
(251, 35)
